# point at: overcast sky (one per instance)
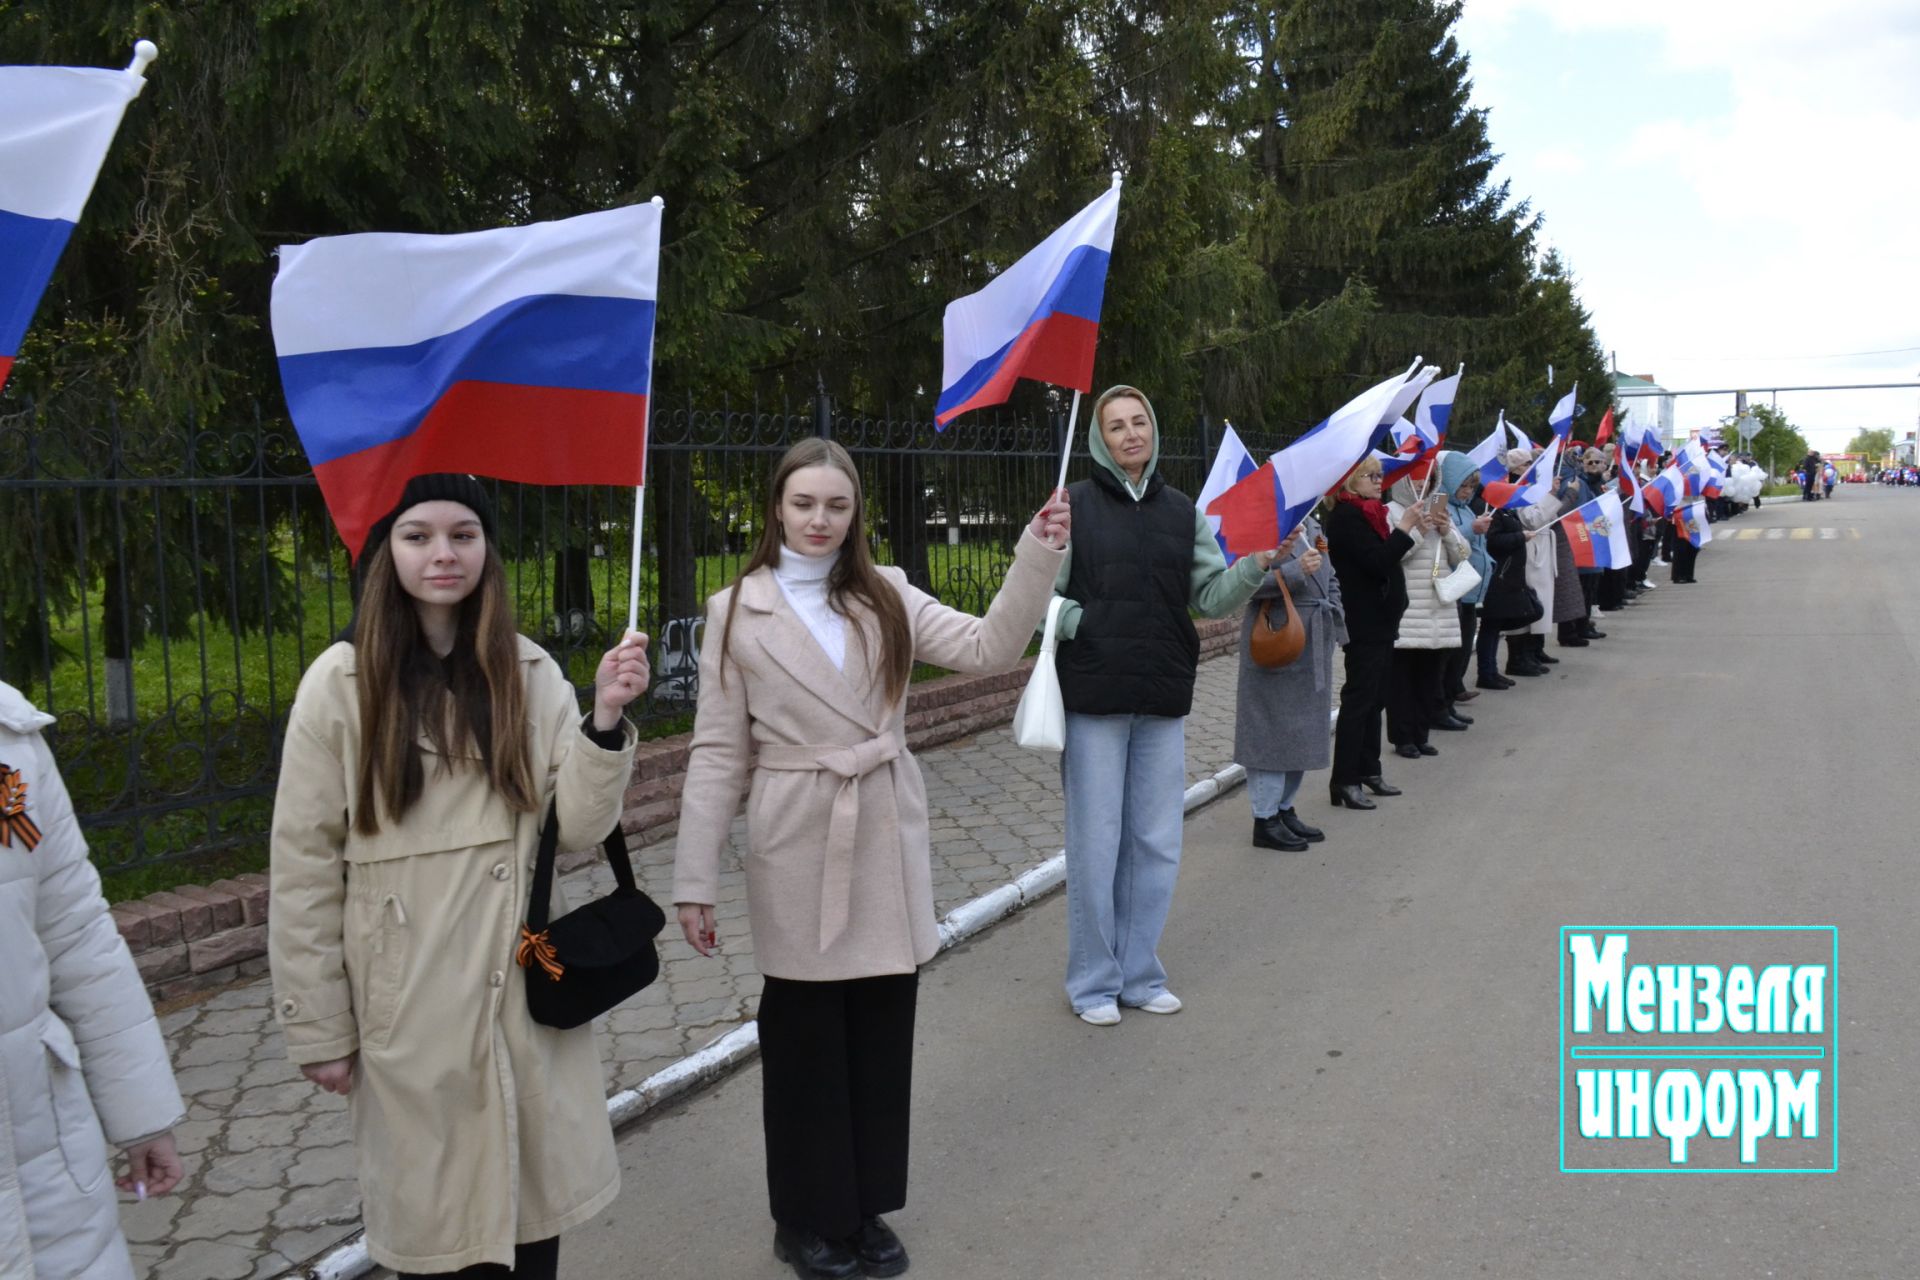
(1733, 183)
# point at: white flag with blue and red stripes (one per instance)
(523, 353)
(1039, 319)
(1231, 465)
(1561, 419)
(56, 124)
(1489, 456)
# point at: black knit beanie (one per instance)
(442, 486)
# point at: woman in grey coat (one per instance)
(1283, 724)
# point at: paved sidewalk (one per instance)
(269, 1164)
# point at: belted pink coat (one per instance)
(839, 877)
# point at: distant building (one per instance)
(1647, 406)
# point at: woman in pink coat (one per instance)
(803, 681)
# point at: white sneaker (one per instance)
(1165, 1002)
(1103, 1015)
(1663, 561)
(1601, 613)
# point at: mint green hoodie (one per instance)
(1215, 590)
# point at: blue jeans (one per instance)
(1125, 779)
(1271, 790)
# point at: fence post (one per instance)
(822, 409)
(1206, 440)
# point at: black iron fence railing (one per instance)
(163, 588)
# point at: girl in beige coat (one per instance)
(419, 761)
(803, 677)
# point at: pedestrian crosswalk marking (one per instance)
(1798, 535)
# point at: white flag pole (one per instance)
(144, 52)
(1066, 454)
(646, 441)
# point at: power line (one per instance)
(1837, 355)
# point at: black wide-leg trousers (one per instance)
(836, 1066)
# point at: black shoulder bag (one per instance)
(596, 955)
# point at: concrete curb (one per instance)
(348, 1260)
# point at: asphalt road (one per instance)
(1365, 1080)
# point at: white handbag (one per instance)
(1040, 721)
(1451, 586)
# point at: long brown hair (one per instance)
(482, 700)
(854, 576)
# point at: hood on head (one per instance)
(1097, 442)
(1402, 492)
(1455, 467)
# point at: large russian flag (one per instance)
(55, 126)
(523, 353)
(1038, 319)
(1597, 531)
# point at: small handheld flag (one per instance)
(1561, 419)
(56, 124)
(1690, 522)
(1597, 531)
(1487, 456)
(1269, 503)
(523, 353)
(1038, 319)
(1231, 465)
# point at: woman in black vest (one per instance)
(1142, 556)
(1366, 556)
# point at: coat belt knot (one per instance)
(850, 764)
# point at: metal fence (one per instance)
(163, 588)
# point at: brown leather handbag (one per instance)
(1270, 646)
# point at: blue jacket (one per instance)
(1454, 470)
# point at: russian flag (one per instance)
(1435, 409)
(1561, 419)
(1487, 456)
(1690, 522)
(1231, 465)
(1629, 483)
(1264, 507)
(1597, 531)
(523, 353)
(1534, 486)
(55, 126)
(1666, 491)
(1038, 319)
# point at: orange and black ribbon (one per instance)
(13, 810)
(534, 948)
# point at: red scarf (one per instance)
(1372, 508)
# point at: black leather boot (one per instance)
(1312, 835)
(1271, 833)
(814, 1257)
(1349, 797)
(878, 1249)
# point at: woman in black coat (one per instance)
(1366, 557)
(1506, 538)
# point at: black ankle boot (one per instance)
(814, 1257)
(1311, 835)
(1271, 833)
(878, 1249)
(1349, 797)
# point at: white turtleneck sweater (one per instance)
(803, 581)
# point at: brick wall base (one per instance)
(199, 937)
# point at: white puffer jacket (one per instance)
(1429, 622)
(82, 1062)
